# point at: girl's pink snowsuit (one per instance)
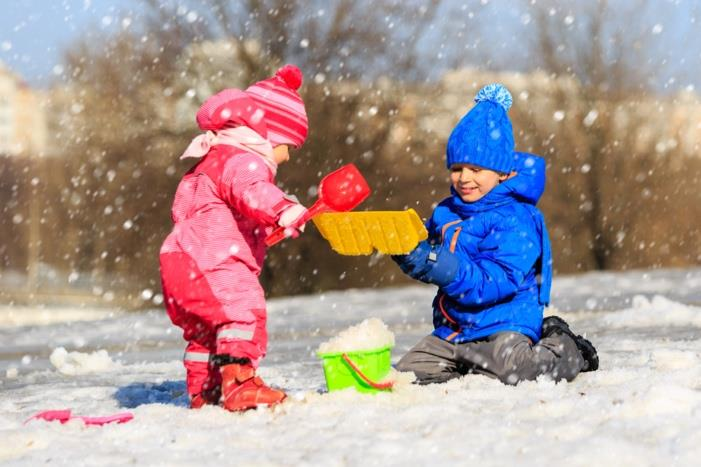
(210, 262)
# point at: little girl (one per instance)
(223, 209)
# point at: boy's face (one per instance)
(281, 153)
(472, 182)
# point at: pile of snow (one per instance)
(79, 363)
(658, 311)
(370, 334)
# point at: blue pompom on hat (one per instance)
(484, 137)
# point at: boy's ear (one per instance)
(503, 177)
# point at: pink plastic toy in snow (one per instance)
(64, 415)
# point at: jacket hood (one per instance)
(529, 184)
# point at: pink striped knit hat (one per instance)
(284, 115)
(271, 107)
(231, 108)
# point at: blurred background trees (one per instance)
(385, 81)
(621, 183)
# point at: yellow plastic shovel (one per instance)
(360, 233)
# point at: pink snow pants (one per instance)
(192, 306)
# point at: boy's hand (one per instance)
(431, 264)
(413, 263)
(443, 266)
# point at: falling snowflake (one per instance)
(590, 118)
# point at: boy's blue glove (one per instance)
(414, 263)
(428, 263)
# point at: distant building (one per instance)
(22, 117)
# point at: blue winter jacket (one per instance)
(505, 271)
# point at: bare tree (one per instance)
(608, 50)
(338, 38)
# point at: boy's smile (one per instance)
(472, 182)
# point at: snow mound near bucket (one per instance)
(372, 333)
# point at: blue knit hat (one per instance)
(484, 136)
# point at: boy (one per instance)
(489, 253)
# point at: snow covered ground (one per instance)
(642, 408)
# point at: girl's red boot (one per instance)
(210, 396)
(243, 390)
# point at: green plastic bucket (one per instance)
(363, 369)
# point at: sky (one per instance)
(33, 33)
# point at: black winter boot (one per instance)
(554, 325)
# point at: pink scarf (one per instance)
(240, 137)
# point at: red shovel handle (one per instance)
(277, 236)
(381, 386)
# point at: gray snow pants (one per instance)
(508, 356)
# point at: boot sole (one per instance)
(244, 408)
